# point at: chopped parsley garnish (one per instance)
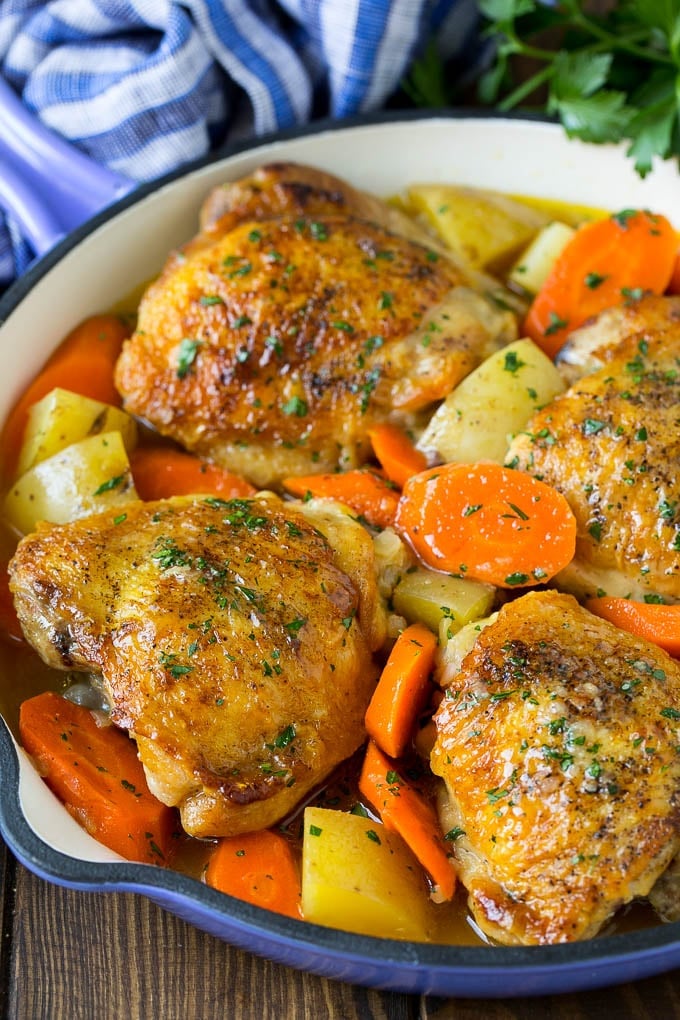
(512, 362)
(555, 324)
(188, 349)
(594, 280)
(109, 485)
(516, 579)
(296, 405)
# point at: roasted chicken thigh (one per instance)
(232, 640)
(611, 445)
(296, 320)
(558, 742)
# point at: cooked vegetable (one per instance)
(455, 646)
(405, 811)
(62, 418)
(397, 455)
(431, 597)
(651, 621)
(490, 405)
(366, 492)
(606, 263)
(258, 867)
(160, 472)
(483, 228)
(95, 771)
(86, 477)
(488, 523)
(83, 363)
(359, 877)
(402, 690)
(534, 264)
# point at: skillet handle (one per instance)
(48, 185)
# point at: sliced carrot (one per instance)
(83, 363)
(488, 523)
(656, 623)
(364, 491)
(10, 628)
(258, 867)
(159, 472)
(606, 263)
(396, 454)
(95, 771)
(405, 811)
(402, 689)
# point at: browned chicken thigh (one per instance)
(611, 445)
(294, 322)
(232, 640)
(558, 742)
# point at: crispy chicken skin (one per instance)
(298, 191)
(589, 346)
(611, 445)
(558, 743)
(230, 642)
(271, 344)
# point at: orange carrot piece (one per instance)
(396, 453)
(364, 491)
(258, 867)
(95, 771)
(159, 472)
(488, 523)
(605, 263)
(401, 692)
(656, 623)
(10, 628)
(83, 362)
(405, 811)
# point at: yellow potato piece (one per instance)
(430, 597)
(484, 228)
(533, 266)
(62, 418)
(490, 405)
(359, 877)
(86, 477)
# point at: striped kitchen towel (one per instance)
(143, 86)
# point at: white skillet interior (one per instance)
(519, 157)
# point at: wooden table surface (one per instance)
(68, 955)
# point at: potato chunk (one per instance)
(483, 228)
(430, 597)
(533, 266)
(86, 477)
(493, 403)
(359, 877)
(62, 418)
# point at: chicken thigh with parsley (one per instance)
(611, 445)
(302, 314)
(558, 741)
(233, 640)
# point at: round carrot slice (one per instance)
(488, 523)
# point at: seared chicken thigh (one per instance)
(294, 322)
(611, 445)
(232, 641)
(558, 742)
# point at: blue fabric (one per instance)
(143, 86)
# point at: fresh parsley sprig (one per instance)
(614, 76)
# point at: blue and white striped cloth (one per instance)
(143, 86)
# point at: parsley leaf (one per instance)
(608, 77)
